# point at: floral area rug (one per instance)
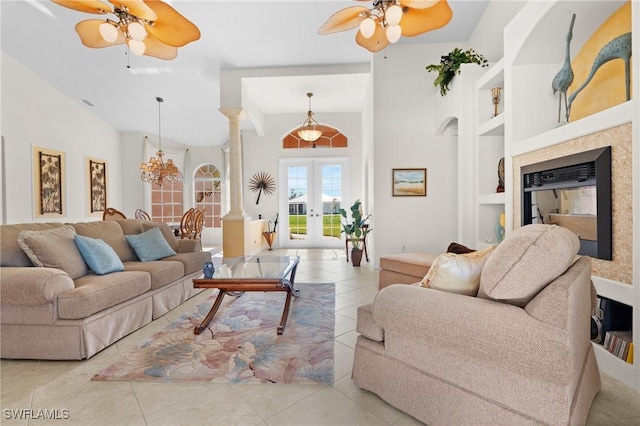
(241, 344)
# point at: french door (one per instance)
(313, 193)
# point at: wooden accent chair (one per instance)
(112, 214)
(141, 214)
(187, 224)
(198, 224)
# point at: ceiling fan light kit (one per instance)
(147, 27)
(388, 20)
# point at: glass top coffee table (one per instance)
(252, 273)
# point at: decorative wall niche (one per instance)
(607, 87)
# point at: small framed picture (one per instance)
(409, 182)
(96, 175)
(48, 182)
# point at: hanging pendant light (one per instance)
(309, 131)
(156, 170)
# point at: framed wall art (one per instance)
(409, 183)
(96, 178)
(48, 183)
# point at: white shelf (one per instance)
(616, 367)
(493, 127)
(612, 117)
(493, 77)
(496, 198)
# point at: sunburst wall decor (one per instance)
(262, 182)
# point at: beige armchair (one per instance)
(518, 353)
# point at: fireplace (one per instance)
(575, 192)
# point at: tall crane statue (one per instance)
(618, 48)
(564, 77)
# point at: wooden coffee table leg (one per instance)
(285, 312)
(205, 322)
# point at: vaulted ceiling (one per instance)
(122, 88)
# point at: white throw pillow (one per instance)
(457, 273)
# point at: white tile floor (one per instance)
(66, 385)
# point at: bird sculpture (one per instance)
(564, 77)
(618, 48)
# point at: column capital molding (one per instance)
(236, 216)
(234, 112)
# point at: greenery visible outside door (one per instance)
(330, 225)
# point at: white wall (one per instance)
(262, 154)
(404, 137)
(36, 113)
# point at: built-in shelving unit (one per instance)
(488, 148)
(534, 50)
(534, 47)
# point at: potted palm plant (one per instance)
(356, 230)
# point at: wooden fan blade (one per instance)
(171, 27)
(88, 6)
(343, 20)
(157, 49)
(89, 32)
(376, 42)
(418, 21)
(418, 4)
(137, 8)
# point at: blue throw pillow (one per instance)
(99, 255)
(150, 245)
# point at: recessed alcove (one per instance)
(539, 55)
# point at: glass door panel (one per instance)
(297, 203)
(331, 178)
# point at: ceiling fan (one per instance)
(387, 20)
(148, 27)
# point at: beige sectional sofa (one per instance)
(519, 353)
(63, 310)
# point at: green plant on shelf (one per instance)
(449, 66)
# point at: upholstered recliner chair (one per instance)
(517, 353)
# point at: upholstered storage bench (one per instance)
(404, 268)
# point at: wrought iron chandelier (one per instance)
(309, 131)
(156, 170)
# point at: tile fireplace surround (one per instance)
(621, 267)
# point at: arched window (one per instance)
(207, 186)
(331, 138)
(166, 202)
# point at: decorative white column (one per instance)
(235, 222)
(236, 209)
